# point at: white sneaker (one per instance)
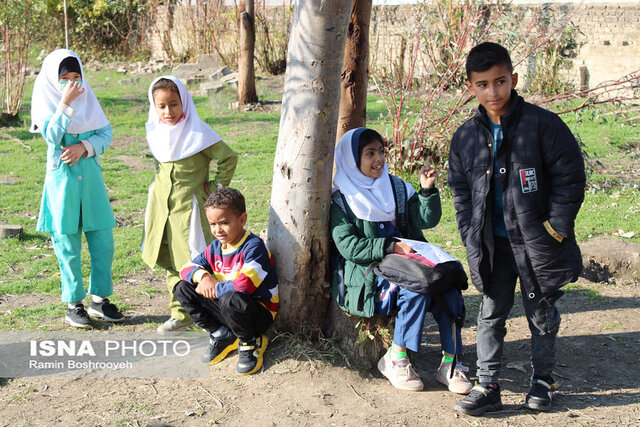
(458, 383)
(400, 373)
(174, 325)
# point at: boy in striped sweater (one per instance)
(231, 289)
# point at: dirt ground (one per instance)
(598, 349)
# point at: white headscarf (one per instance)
(169, 143)
(47, 96)
(370, 199)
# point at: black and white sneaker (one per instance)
(480, 400)
(540, 394)
(251, 355)
(78, 317)
(219, 349)
(106, 310)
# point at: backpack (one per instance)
(410, 271)
(420, 274)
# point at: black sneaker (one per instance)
(106, 310)
(251, 355)
(480, 400)
(539, 397)
(78, 317)
(219, 348)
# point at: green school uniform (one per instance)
(169, 210)
(360, 244)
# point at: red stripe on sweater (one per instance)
(243, 284)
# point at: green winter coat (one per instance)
(359, 244)
(170, 202)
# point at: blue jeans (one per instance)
(412, 308)
(497, 300)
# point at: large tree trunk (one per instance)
(300, 199)
(363, 340)
(246, 72)
(355, 70)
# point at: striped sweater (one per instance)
(246, 267)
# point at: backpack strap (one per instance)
(458, 320)
(338, 198)
(337, 261)
(402, 208)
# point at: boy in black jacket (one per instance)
(517, 177)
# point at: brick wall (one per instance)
(608, 36)
(610, 41)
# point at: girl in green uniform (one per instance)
(176, 228)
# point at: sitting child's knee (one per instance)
(182, 289)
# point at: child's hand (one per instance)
(72, 90)
(428, 174)
(72, 153)
(207, 287)
(402, 248)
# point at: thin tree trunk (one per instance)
(355, 70)
(7, 67)
(301, 192)
(246, 72)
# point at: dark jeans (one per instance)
(497, 300)
(236, 310)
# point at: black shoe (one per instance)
(106, 310)
(251, 355)
(539, 397)
(480, 400)
(219, 348)
(78, 317)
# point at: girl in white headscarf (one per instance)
(176, 228)
(365, 227)
(66, 112)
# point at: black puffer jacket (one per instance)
(543, 179)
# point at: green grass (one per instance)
(594, 296)
(610, 326)
(602, 134)
(30, 318)
(28, 263)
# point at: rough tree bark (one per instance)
(355, 70)
(363, 340)
(299, 216)
(246, 72)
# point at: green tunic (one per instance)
(74, 196)
(168, 220)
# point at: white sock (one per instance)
(96, 299)
(73, 304)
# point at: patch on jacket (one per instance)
(528, 180)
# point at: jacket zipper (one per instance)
(491, 160)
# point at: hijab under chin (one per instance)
(47, 96)
(370, 199)
(170, 143)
